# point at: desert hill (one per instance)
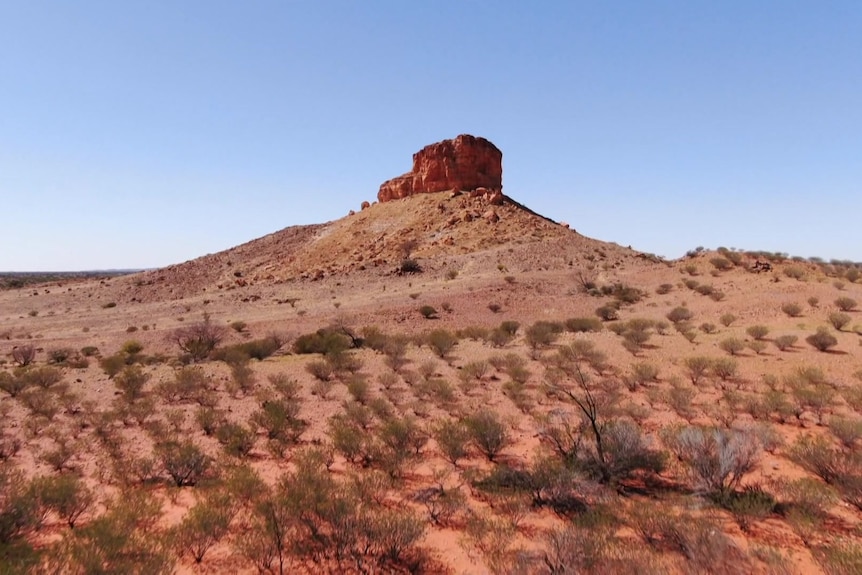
(453, 435)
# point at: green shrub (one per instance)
(184, 461)
(237, 439)
(488, 432)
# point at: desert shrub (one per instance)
(784, 342)
(626, 294)
(698, 367)
(89, 350)
(495, 307)
(838, 319)
(705, 289)
(642, 372)
(60, 355)
(323, 341)
(237, 439)
(750, 504)
(583, 324)
(608, 312)
(321, 370)
(721, 264)
(359, 389)
(488, 432)
(758, 332)
(280, 420)
(428, 312)
(664, 289)
(205, 524)
(122, 540)
(845, 303)
(717, 458)
(67, 495)
(23, 355)
(725, 368)
(400, 440)
(441, 342)
(691, 283)
(822, 340)
(841, 557)
(795, 272)
(732, 345)
(210, 419)
(618, 451)
(44, 377)
(130, 381)
(200, 339)
(707, 327)
(409, 266)
(757, 346)
(848, 431)
(679, 314)
(20, 512)
(727, 319)
(259, 349)
(542, 334)
(792, 309)
(184, 461)
(12, 384)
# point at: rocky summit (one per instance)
(466, 163)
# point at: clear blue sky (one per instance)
(144, 133)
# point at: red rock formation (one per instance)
(464, 164)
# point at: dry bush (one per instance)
(838, 319)
(758, 332)
(845, 303)
(23, 355)
(488, 433)
(792, 309)
(205, 524)
(200, 339)
(822, 340)
(727, 319)
(583, 324)
(785, 342)
(725, 368)
(679, 314)
(542, 334)
(698, 367)
(441, 342)
(717, 458)
(732, 345)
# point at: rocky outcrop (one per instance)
(466, 163)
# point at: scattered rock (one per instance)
(365, 205)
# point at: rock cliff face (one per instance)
(466, 163)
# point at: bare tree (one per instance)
(200, 339)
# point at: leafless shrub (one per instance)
(23, 355)
(718, 458)
(200, 339)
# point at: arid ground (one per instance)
(421, 387)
